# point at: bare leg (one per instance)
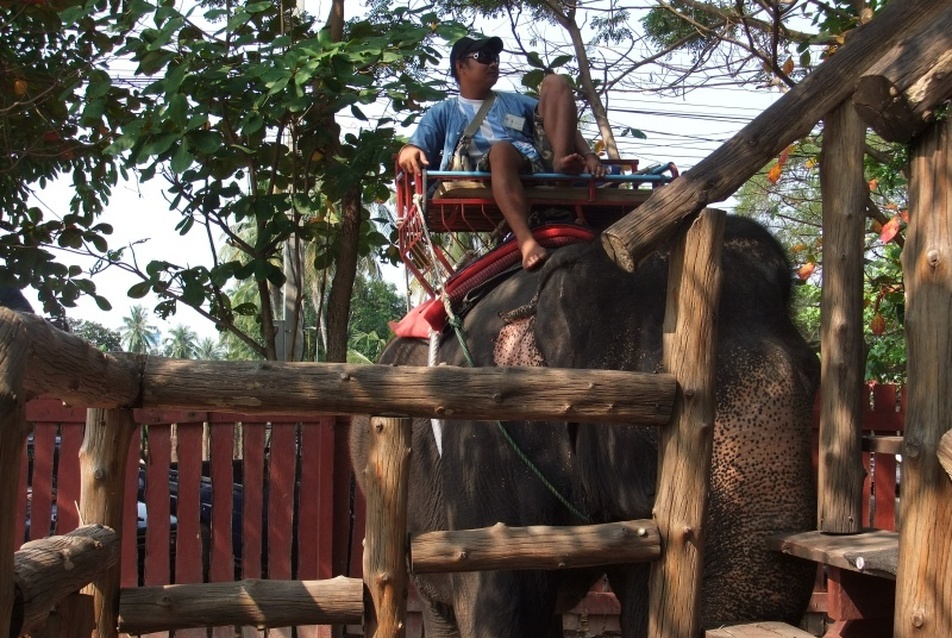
(505, 163)
(560, 119)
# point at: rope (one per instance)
(420, 203)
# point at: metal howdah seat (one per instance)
(435, 205)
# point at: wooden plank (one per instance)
(309, 507)
(758, 630)
(326, 523)
(41, 499)
(887, 412)
(852, 596)
(19, 528)
(348, 505)
(282, 465)
(282, 458)
(222, 561)
(157, 502)
(882, 444)
(129, 561)
(252, 512)
(68, 476)
(189, 567)
(872, 552)
(884, 489)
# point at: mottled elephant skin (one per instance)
(590, 314)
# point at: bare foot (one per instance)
(533, 256)
(570, 164)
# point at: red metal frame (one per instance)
(480, 214)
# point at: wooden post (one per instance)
(840, 487)
(923, 605)
(13, 433)
(684, 448)
(385, 540)
(103, 458)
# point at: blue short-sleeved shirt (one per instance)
(509, 118)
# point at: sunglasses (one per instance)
(484, 57)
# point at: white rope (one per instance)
(432, 360)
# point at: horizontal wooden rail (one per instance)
(535, 547)
(255, 603)
(83, 375)
(446, 392)
(49, 569)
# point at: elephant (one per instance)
(581, 311)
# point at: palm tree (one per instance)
(137, 334)
(182, 343)
(209, 349)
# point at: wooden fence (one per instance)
(232, 496)
(209, 497)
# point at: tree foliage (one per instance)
(786, 198)
(58, 109)
(104, 338)
(252, 113)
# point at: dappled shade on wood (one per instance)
(534, 547)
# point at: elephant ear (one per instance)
(516, 343)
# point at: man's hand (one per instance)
(412, 159)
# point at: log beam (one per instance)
(48, 570)
(254, 603)
(534, 547)
(509, 393)
(103, 458)
(13, 433)
(842, 356)
(65, 366)
(925, 554)
(792, 117)
(386, 480)
(685, 446)
(898, 96)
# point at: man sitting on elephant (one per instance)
(508, 140)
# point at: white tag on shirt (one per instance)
(514, 122)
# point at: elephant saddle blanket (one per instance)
(480, 274)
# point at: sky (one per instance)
(682, 130)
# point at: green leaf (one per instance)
(182, 158)
(139, 290)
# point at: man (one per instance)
(507, 141)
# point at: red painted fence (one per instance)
(209, 497)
